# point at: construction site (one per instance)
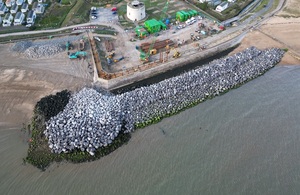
(85, 57)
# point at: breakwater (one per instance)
(92, 120)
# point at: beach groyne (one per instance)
(93, 120)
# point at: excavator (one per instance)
(78, 54)
(177, 54)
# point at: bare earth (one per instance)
(24, 81)
(282, 32)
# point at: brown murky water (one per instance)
(244, 142)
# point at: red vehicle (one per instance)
(114, 9)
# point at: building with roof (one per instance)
(30, 17)
(224, 5)
(10, 3)
(3, 9)
(7, 20)
(211, 2)
(152, 26)
(20, 2)
(14, 9)
(136, 10)
(19, 18)
(0, 19)
(29, 2)
(38, 8)
(24, 7)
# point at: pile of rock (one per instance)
(92, 119)
(43, 49)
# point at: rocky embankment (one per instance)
(92, 120)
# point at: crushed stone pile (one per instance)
(43, 49)
(94, 119)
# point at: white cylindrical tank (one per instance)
(136, 10)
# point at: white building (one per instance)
(14, 9)
(31, 17)
(10, 3)
(136, 10)
(24, 7)
(7, 20)
(211, 2)
(40, 9)
(20, 2)
(19, 18)
(3, 9)
(222, 6)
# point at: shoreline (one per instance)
(135, 118)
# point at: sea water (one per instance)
(246, 141)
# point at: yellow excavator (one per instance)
(177, 54)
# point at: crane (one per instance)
(164, 11)
(145, 56)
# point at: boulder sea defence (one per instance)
(93, 120)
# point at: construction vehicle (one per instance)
(145, 56)
(78, 54)
(118, 60)
(176, 54)
(67, 46)
(81, 45)
(110, 54)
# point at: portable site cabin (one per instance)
(162, 25)
(19, 18)
(24, 7)
(180, 17)
(184, 15)
(152, 26)
(31, 17)
(3, 9)
(20, 2)
(141, 32)
(193, 13)
(14, 9)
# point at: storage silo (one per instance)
(136, 11)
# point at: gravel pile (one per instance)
(45, 48)
(21, 47)
(93, 119)
(39, 51)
